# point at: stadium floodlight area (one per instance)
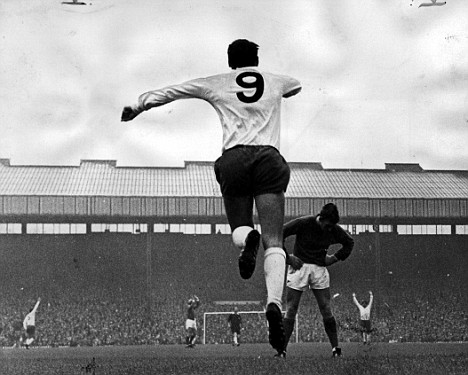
(259, 315)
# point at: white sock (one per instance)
(274, 267)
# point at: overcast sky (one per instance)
(384, 81)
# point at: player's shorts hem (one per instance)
(255, 194)
(320, 288)
(297, 288)
(275, 191)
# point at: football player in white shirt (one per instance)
(364, 315)
(29, 325)
(251, 168)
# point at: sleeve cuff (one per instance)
(137, 109)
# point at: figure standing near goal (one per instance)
(235, 322)
(314, 234)
(29, 325)
(364, 315)
(18, 333)
(251, 168)
(191, 322)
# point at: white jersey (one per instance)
(30, 319)
(364, 312)
(247, 100)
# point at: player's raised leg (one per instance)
(239, 211)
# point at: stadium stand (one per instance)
(59, 239)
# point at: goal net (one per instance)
(254, 327)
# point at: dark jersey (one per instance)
(312, 242)
(191, 310)
(235, 321)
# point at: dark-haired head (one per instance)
(242, 53)
(329, 213)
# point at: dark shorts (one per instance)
(251, 170)
(30, 331)
(366, 326)
(235, 330)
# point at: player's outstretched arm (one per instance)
(36, 305)
(128, 114)
(195, 88)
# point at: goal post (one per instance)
(261, 314)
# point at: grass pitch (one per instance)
(252, 359)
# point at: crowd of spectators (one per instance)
(129, 319)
